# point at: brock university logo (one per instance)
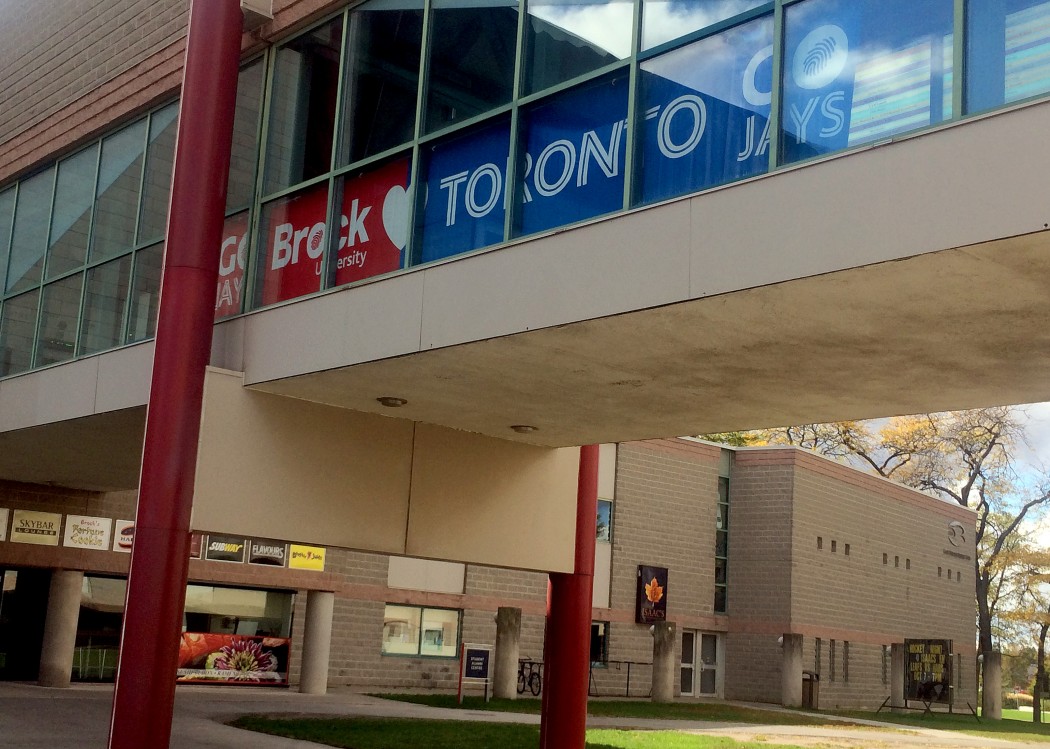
(820, 57)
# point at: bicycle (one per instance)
(529, 676)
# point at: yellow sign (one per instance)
(306, 558)
(39, 528)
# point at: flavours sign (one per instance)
(40, 528)
(373, 231)
(267, 551)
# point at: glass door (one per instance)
(709, 664)
(688, 662)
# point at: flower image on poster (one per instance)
(232, 659)
(651, 598)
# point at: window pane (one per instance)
(71, 217)
(721, 543)
(302, 109)
(604, 525)
(401, 630)
(708, 681)
(720, 571)
(706, 110)
(7, 216)
(856, 71)
(156, 185)
(373, 225)
(1008, 52)
(245, 151)
(107, 293)
(472, 48)
(464, 178)
(119, 174)
(440, 633)
(568, 38)
(59, 313)
(687, 680)
(233, 258)
(29, 240)
(382, 77)
(600, 642)
(574, 160)
(293, 237)
(722, 518)
(145, 293)
(17, 327)
(720, 600)
(664, 20)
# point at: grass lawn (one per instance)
(1019, 728)
(709, 711)
(393, 733)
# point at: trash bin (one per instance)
(810, 690)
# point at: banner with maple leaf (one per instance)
(651, 598)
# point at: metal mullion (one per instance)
(142, 178)
(466, 124)
(511, 195)
(253, 201)
(40, 281)
(335, 184)
(712, 30)
(777, 89)
(373, 159)
(254, 218)
(634, 122)
(959, 77)
(77, 340)
(126, 321)
(612, 67)
(50, 222)
(286, 191)
(10, 240)
(415, 169)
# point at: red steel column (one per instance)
(145, 692)
(567, 651)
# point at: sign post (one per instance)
(474, 665)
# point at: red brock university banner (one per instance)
(372, 231)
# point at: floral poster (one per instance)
(232, 659)
(651, 598)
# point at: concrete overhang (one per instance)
(905, 277)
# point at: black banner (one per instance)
(928, 673)
(651, 597)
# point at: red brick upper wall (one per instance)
(71, 69)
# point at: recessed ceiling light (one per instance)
(524, 428)
(391, 402)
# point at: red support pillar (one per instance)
(566, 651)
(145, 692)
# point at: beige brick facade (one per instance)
(836, 592)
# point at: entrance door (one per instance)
(709, 682)
(688, 662)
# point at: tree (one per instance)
(963, 456)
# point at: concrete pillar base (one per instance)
(663, 662)
(791, 671)
(898, 659)
(60, 629)
(508, 639)
(317, 642)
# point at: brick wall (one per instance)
(663, 515)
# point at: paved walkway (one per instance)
(78, 718)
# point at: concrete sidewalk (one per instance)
(78, 718)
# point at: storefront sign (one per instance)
(651, 597)
(123, 535)
(267, 551)
(84, 532)
(232, 659)
(224, 549)
(929, 670)
(306, 557)
(5, 515)
(40, 528)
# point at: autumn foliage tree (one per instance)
(963, 456)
